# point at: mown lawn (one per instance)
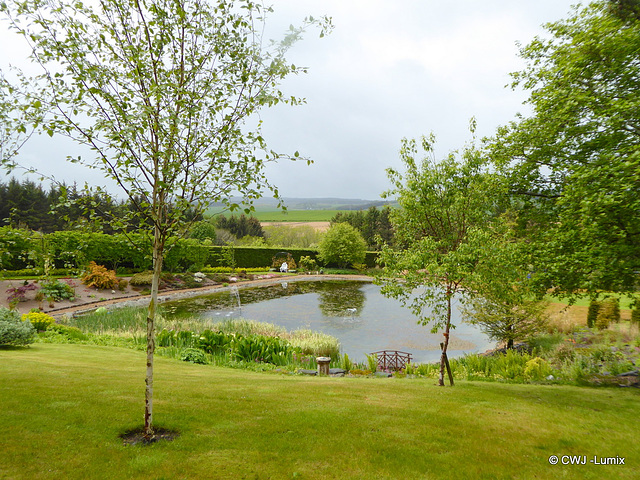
(63, 407)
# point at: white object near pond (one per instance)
(284, 267)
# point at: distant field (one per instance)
(296, 216)
(271, 215)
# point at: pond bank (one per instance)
(88, 299)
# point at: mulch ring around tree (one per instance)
(137, 437)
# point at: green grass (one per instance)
(625, 300)
(296, 216)
(65, 405)
(291, 215)
(130, 323)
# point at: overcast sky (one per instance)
(390, 69)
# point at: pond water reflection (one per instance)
(355, 312)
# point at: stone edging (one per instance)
(133, 300)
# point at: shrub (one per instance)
(26, 272)
(142, 279)
(56, 290)
(342, 245)
(203, 230)
(122, 284)
(19, 294)
(308, 264)
(72, 333)
(40, 321)
(635, 316)
(193, 355)
(13, 331)
(99, 277)
(537, 369)
(233, 270)
(278, 260)
(592, 314)
(609, 312)
(510, 366)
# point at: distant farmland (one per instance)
(295, 215)
(271, 215)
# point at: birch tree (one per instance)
(163, 92)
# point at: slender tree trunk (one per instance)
(443, 357)
(510, 337)
(158, 247)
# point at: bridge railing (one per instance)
(392, 359)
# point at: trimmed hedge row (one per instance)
(22, 249)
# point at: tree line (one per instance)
(549, 205)
(373, 224)
(29, 205)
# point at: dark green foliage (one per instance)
(241, 226)
(280, 258)
(69, 251)
(592, 314)
(72, 333)
(308, 264)
(214, 342)
(141, 279)
(509, 320)
(56, 290)
(27, 205)
(203, 230)
(194, 355)
(252, 348)
(608, 313)
(187, 255)
(258, 348)
(342, 245)
(19, 249)
(374, 225)
(635, 316)
(13, 331)
(615, 308)
(573, 166)
(627, 10)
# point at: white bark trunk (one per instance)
(151, 333)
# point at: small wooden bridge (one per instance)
(392, 359)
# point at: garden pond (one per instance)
(355, 312)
